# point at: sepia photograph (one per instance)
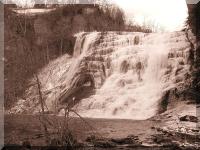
(100, 74)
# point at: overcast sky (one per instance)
(170, 14)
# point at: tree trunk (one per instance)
(42, 107)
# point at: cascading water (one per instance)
(134, 92)
(129, 71)
(129, 91)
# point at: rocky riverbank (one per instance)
(175, 129)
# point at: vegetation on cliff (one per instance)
(49, 35)
(194, 23)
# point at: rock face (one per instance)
(189, 118)
(128, 71)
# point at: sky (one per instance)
(170, 15)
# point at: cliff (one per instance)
(46, 36)
(194, 23)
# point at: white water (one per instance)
(123, 95)
(82, 47)
(119, 91)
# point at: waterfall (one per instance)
(130, 91)
(84, 41)
(79, 44)
(128, 71)
(83, 44)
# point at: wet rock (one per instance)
(191, 103)
(195, 130)
(136, 40)
(189, 118)
(121, 83)
(124, 66)
(164, 101)
(178, 70)
(169, 116)
(108, 63)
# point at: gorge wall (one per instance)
(47, 36)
